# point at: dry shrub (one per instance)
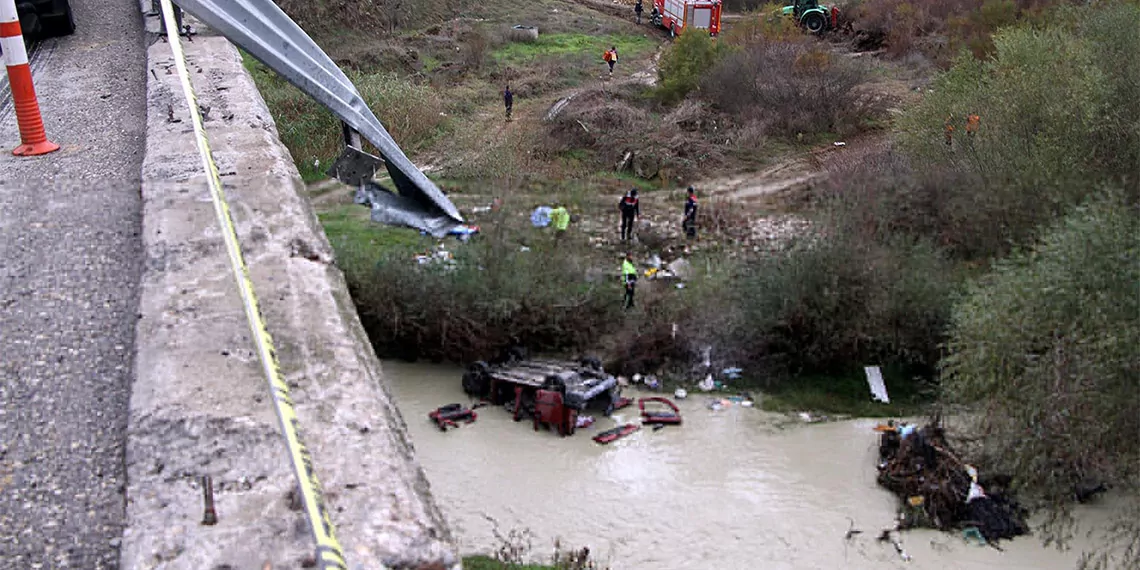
(967, 23)
(601, 121)
(726, 218)
(535, 80)
(790, 88)
(475, 44)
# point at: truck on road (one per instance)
(42, 19)
(680, 15)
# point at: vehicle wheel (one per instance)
(591, 362)
(814, 23)
(69, 22)
(29, 22)
(477, 380)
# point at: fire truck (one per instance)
(680, 15)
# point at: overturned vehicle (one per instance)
(551, 392)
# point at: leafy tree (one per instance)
(1047, 348)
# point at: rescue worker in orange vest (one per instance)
(630, 210)
(972, 122)
(611, 57)
(949, 129)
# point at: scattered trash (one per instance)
(681, 268)
(732, 373)
(680, 285)
(524, 249)
(616, 433)
(875, 381)
(584, 421)
(654, 261)
(972, 535)
(810, 418)
(718, 404)
(540, 217)
(446, 416)
(707, 384)
(839, 143)
(920, 463)
(681, 394)
(651, 382)
(464, 233)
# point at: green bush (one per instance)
(684, 63)
(492, 294)
(1047, 346)
(836, 303)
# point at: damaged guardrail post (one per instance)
(351, 137)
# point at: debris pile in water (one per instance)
(938, 490)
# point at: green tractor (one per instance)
(813, 16)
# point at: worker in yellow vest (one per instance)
(629, 279)
(560, 219)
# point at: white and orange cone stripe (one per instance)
(33, 139)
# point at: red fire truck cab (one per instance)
(680, 15)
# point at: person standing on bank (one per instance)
(689, 221)
(630, 210)
(629, 279)
(638, 9)
(508, 100)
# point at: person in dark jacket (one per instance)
(630, 211)
(689, 222)
(508, 100)
(638, 9)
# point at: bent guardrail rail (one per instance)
(268, 34)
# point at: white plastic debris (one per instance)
(707, 384)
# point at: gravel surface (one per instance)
(70, 262)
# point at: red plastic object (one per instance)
(659, 417)
(548, 409)
(616, 433)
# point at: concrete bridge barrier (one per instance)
(200, 404)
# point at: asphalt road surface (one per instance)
(70, 261)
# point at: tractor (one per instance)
(813, 16)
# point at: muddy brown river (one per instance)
(732, 489)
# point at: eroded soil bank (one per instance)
(737, 488)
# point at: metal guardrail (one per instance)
(268, 34)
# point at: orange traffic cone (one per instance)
(32, 136)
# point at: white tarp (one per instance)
(875, 381)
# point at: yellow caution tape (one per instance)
(329, 554)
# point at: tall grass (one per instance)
(412, 113)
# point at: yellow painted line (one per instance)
(329, 554)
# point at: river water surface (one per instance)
(732, 489)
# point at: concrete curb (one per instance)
(200, 405)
